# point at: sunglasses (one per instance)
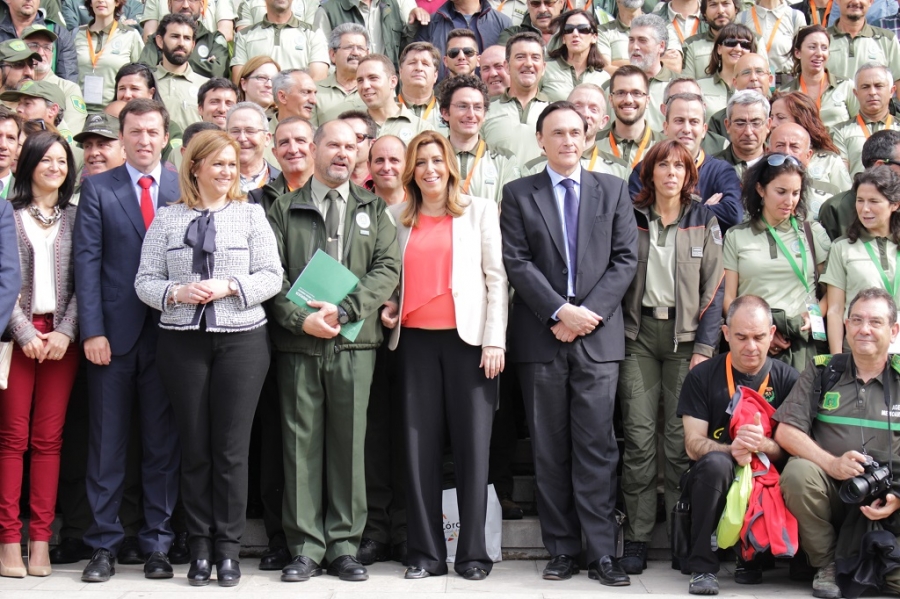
(454, 52)
(732, 42)
(538, 3)
(580, 28)
(779, 159)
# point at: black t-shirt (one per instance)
(704, 393)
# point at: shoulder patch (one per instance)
(716, 234)
(78, 103)
(822, 360)
(895, 362)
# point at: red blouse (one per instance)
(428, 267)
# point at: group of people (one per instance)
(170, 171)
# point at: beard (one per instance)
(177, 60)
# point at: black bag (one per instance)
(680, 535)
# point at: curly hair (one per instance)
(804, 112)
(886, 181)
(762, 173)
(672, 150)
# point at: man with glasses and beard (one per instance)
(648, 41)
(630, 136)
(17, 63)
(176, 81)
(612, 37)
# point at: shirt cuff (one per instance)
(555, 315)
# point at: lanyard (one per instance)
(203, 10)
(821, 90)
(892, 289)
(640, 151)
(865, 128)
(502, 4)
(428, 108)
(677, 28)
(814, 13)
(700, 159)
(478, 154)
(593, 159)
(95, 56)
(759, 29)
(729, 376)
(800, 272)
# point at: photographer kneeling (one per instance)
(836, 421)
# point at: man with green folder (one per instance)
(324, 378)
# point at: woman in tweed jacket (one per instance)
(208, 263)
(43, 327)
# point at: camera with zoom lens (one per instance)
(872, 484)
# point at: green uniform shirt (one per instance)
(372, 21)
(179, 94)
(216, 10)
(838, 213)
(789, 21)
(764, 271)
(493, 170)
(659, 292)
(873, 44)
(657, 90)
(602, 163)
(511, 127)
(851, 269)
(405, 125)
(839, 103)
(849, 138)
(697, 50)
(686, 26)
(76, 109)
(251, 12)
(125, 47)
(209, 57)
(332, 100)
(514, 9)
(740, 166)
(612, 40)
(428, 112)
(626, 149)
(817, 193)
(293, 45)
(559, 79)
(829, 168)
(715, 93)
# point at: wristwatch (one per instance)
(232, 286)
(343, 317)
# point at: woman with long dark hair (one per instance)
(577, 60)
(672, 313)
(136, 80)
(867, 256)
(732, 42)
(44, 328)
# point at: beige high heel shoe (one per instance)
(15, 571)
(41, 548)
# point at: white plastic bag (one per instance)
(493, 525)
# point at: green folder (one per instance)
(326, 280)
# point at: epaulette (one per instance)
(823, 360)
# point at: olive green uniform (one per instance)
(208, 58)
(560, 79)
(873, 44)
(829, 168)
(851, 269)
(697, 50)
(332, 100)
(76, 109)
(179, 94)
(404, 125)
(386, 22)
(715, 93)
(740, 166)
(763, 270)
(612, 40)
(124, 47)
(514, 9)
(817, 193)
(658, 84)
(293, 45)
(788, 21)
(511, 127)
(626, 149)
(324, 383)
(849, 137)
(680, 27)
(216, 10)
(430, 112)
(251, 12)
(838, 213)
(839, 103)
(493, 170)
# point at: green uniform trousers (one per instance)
(653, 368)
(323, 404)
(812, 497)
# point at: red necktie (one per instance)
(146, 201)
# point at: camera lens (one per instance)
(854, 490)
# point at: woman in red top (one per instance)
(453, 309)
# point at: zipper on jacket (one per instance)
(312, 239)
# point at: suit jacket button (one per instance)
(565, 271)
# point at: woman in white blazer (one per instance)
(452, 309)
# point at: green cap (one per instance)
(38, 28)
(99, 124)
(36, 89)
(15, 51)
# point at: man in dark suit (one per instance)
(119, 333)
(570, 250)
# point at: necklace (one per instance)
(44, 221)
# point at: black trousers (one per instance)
(569, 402)
(271, 462)
(707, 484)
(213, 381)
(385, 455)
(445, 392)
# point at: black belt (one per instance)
(659, 313)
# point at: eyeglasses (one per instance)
(757, 72)
(732, 43)
(248, 131)
(35, 46)
(621, 94)
(261, 79)
(353, 48)
(779, 159)
(538, 3)
(477, 108)
(888, 161)
(580, 28)
(874, 323)
(361, 137)
(755, 124)
(454, 52)
(20, 64)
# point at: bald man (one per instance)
(793, 140)
(750, 72)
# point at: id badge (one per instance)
(895, 344)
(816, 322)
(93, 89)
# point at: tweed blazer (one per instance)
(245, 251)
(65, 318)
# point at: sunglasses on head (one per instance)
(732, 42)
(580, 28)
(779, 159)
(454, 52)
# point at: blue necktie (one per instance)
(570, 208)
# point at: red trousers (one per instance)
(32, 414)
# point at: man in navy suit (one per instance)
(119, 333)
(570, 251)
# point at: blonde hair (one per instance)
(204, 145)
(249, 67)
(454, 207)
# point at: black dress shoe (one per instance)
(228, 572)
(510, 509)
(158, 566)
(398, 553)
(475, 574)
(275, 558)
(347, 568)
(130, 553)
(100, 568)
(608, 571)
(561, 567)
(69, 551)
(300, 569)
(179, 552)
(416, 573)
(199, 573)
(371, 551)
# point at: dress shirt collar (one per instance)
(556, 178)
(136, 174)
(319, 190)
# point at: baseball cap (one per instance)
(36, 89)
(38, 28)
(15, 51)
(99, 124)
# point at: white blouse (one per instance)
(42, 240)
